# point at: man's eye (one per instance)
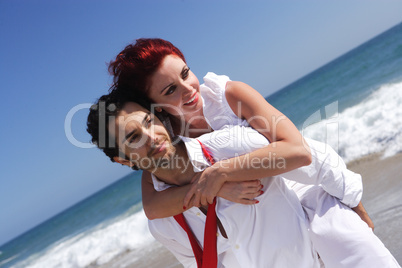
(133, 139)
(170, 90)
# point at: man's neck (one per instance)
(179, 171)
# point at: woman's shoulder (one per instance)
(216, 83)
(213, 90)
(217, 110)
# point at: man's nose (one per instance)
(152, 139)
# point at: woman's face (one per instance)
(175, 89)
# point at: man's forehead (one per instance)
(131, 116)
(133, 109)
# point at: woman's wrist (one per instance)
(219, 173)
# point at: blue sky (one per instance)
(53, 57)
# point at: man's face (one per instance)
(141, 137)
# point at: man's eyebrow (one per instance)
(129, 135)
(144, 120)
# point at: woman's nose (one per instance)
(187, 89)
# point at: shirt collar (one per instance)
(196, 157)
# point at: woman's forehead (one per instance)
(170, 67)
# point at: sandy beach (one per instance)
(382, 190)
(157, 257)
(382, 186)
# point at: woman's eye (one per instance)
(149, 121)
(170, 90)
(185, 73)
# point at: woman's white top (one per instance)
(327, 169)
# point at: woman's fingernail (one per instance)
(184, 207)
(262, 186)
(261, 192)
(257, 201)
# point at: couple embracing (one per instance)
(228, 180)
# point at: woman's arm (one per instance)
(169, 202)
(161, 204)
(287, 150)
(286, 142)
(280, 131)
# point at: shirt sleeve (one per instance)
(329, 171)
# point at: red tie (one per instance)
(208, 258)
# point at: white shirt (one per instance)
(327, 168)
(326, 189)
(272, 233)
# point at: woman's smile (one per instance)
(193, 100)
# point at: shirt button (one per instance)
(237, 247)
(198, 214)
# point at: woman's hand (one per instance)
(207, 185)
(241, 192)
(204, 188)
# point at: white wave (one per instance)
(97, 246)
(372, 126)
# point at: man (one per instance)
(273, 233)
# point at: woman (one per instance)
(156, 70)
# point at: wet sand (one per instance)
(382, 192)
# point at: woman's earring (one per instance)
(158, 109)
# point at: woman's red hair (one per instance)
(137, 62)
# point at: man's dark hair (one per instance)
(100, 114)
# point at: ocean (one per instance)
(353, 103)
